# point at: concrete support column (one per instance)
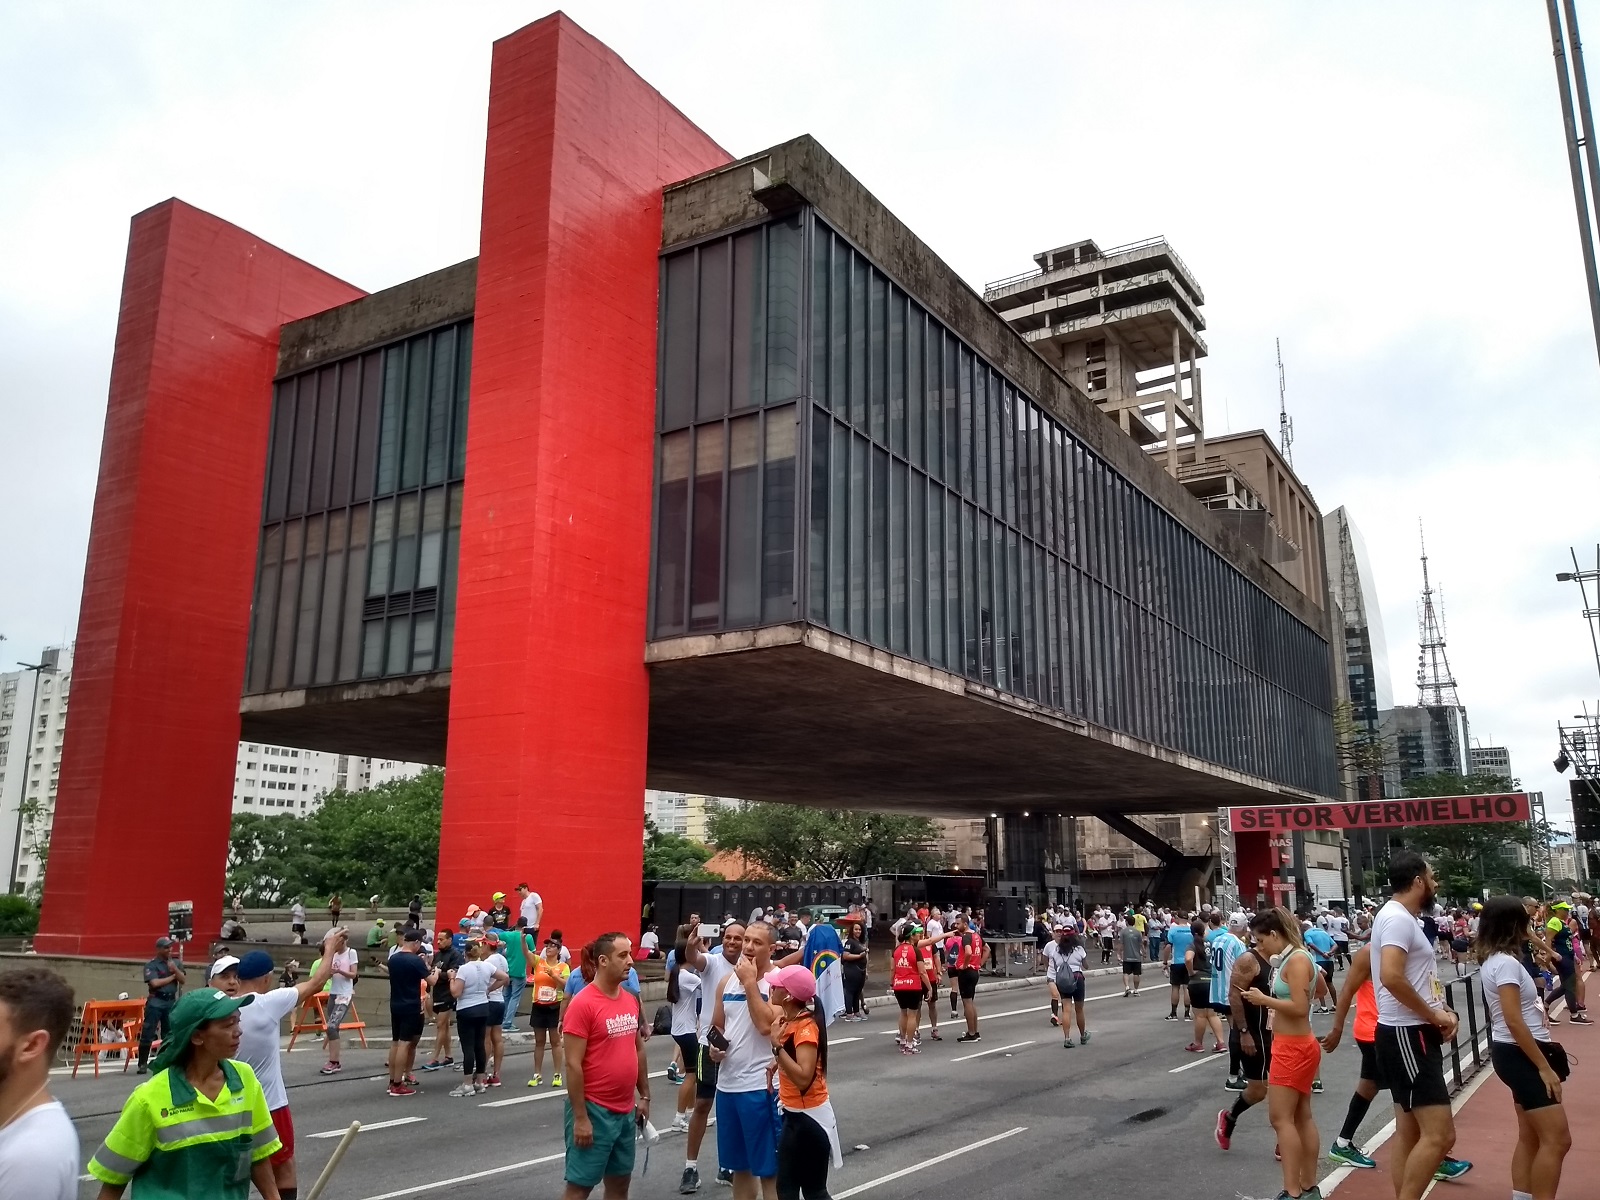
(1172, 406)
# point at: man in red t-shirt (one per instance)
(969, 957)
(606, 1066)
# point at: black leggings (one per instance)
(804, 1155)
(472, 1024)
(1569, 984)
(854, 983)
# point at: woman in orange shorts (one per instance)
(1296, 1053)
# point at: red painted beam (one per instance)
(147, 771)
(549, 702)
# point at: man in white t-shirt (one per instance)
(38, 1143)
(714, 969)
(260, 1023)
(1413, 1025)
(530, 910)
(341, 991)
(747, 1119)
(1339, 930)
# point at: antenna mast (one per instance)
(1285, 425)
(1436, 686)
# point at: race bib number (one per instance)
(547, 995)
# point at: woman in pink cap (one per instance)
(809, 1141)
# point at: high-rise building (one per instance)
(33, 730)
(273, 778)
(684, 813)
(1490, 760)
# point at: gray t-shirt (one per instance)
(39, 1155)
(1132, 944)
(1497, 971)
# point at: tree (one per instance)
(1466, 858)
(19, 916)
(269, 858)
(1358, 750)
(672, 856)
(795, 842)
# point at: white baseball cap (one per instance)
(221, 965)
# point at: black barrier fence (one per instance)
(669, 904)
(1469, 1049)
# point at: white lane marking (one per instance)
(1018, 1012)
(995, 1050)
(844, 1041)
(915, 1167)
(368, 1128)
(1205, 1057)
(443, 1184)
(552, 1094)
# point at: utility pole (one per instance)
(1564, 45)
(1285, 425)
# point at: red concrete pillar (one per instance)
(549, 700)
(147, 773)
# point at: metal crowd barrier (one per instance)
(1473, 1029)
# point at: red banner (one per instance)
(1383, 814)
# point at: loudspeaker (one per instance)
(1585, 810)
(1004, 914)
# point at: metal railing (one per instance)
(1472, 1029)
(1125, 248)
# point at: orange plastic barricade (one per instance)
(310, 1019)
(126, 1016)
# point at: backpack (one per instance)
(663, 1020)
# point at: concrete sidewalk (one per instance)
(1486, 1133)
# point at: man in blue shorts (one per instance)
(740, 1041)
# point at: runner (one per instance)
(441, 1004)
(742, 1021)
(683, 993)
(606, 1070)
(854, 959)
(38, 1143)
(969, 958)
(809, 1141)
(1524, 1057)
(931, 952)
(494, 1031)
(1132, 957)
(199, 1107)
(550, 977)
(1566, 963)
(259, 1023)
(1179, 938)
(517, 949)
(1249, 1039)
(409, 977)
(1339, 927)
(1413, 1026)
(1105, 928)
(1357, 990)
(297, 922)
(1198, 969)
(713, 970)
(908, 985)
(341, 991)
(1321, 945)
(1067, 981)
(470, 984)
(1296, 1053)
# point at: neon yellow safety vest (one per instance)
(175, 1143)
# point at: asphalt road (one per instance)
(1011, 1116)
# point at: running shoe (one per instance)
(1452, 1168)
(1224, 1134)
(438, 1063)
(411, 1081)
(1067, 1044)
(1126, 992)
(331, 1068)
(401, 1089)
(1056, 1021)
(482, 1088)
(690, 1183)
(1170, 1017)
(536, 1081)
(1581, 1018)
(1350, 1155)
(969, 1037)
(555, 1081)
(1085, 1038)
(1235, 1083)
(936, 1036)
(680, 1123)
(494, 1081)
(1316, 1087)
(1219, 1048)
(725, 1177)
(463, 1089)
(1194, 1047)
(1187, 1015)
(675, 1075)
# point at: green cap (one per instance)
(188, 1014)
(1561, 904)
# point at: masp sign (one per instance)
(1384, 814)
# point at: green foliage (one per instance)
(19, 916)
(1466, 858)
(382, 840)
(795, 842)
(672, 856)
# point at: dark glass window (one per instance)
(778, 515)
(705, 551)
(744, 516)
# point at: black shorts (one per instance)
(405, 1023)
(1179, 974)
(496, 1012)
(688, 1048)
(545, 1016)
(705, 1075)
(1074, 985)
(1200, 996)
(1369, 1063)
(1132, 967)
(967, 982)
(909, 1000)
(1411, 1061)
(931, 992)
(448, 1004)
(1520, 1075)
(1253, 1066)
(297, 929)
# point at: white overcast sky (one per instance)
(1382, 186)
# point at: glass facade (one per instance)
(947, 517)
(361, 516)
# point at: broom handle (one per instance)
(333, 1162)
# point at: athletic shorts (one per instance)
(405, 1023)
(967, 982)
(1327, 973)
(1075, 985)
(610, 1155)
(496, 1012)
(548, 1016)
(1200, 996)
(932, 993)
(689, 1047)
(1131, 966)
(1255, 1066)
(1369, 1062)
(747, 1132)
(297, 929)
(1179, 974)
(908, 1000)
(333, 1015)
(1411, 1061)
(283, 1124)
(1519, 1074)
(448, 1004)
(705, 1075)
(1296, 1058)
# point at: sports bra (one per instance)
(1280, 985)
